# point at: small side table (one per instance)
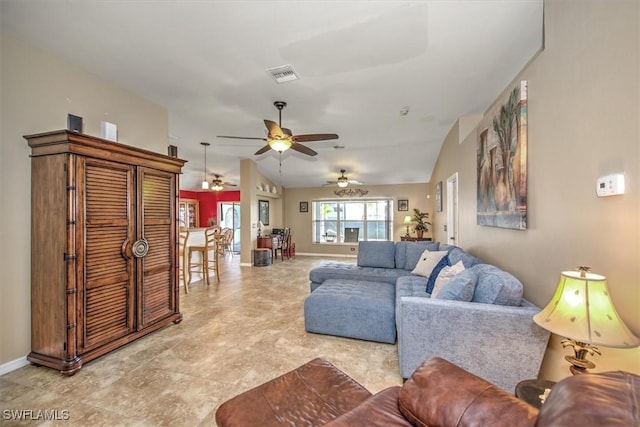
(531, 390)
(261, 257)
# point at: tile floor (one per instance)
(235, 335)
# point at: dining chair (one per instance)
(226, 241)
(208, 255)
(183, 237)
(283, 244)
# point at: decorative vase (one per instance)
(420, 233)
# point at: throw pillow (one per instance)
(459, 288)
(431, 282)
(445, 275)
(428, 261)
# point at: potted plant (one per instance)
(422, 225)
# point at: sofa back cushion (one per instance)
(598, 399)
(457, 254)
(377, 254)
(414, 251)
(440, 393)
(496, 286)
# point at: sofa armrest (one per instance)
(499, 343)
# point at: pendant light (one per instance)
(205, 183)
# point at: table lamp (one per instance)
(581, 310)
(260, 227)
(407, 221)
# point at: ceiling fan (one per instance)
(281, 139)
(218, 185)
(343, 181)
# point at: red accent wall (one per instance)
(209, 202)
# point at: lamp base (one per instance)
(579, 366)
(579, 363)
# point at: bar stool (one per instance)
(183, 237)
(207, 263)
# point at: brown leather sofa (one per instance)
(437, 394)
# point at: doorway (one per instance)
(229, 216)
(452, 210)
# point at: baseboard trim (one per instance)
(326, 255)
(5, 368)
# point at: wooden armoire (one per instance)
(104, 263)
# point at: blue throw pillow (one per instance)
(434, 274)
(377, 254)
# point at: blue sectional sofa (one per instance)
(479, 320)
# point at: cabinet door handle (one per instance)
(140, 248)
(126, 249)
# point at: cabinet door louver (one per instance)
(157, 211)
(108, 280)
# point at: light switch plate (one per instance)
(610, 185)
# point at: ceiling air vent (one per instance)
(283, 74)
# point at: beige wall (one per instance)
(583, 117)
(300, 222)
(250, 178)
(37, 92)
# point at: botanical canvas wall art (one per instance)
(502, 163)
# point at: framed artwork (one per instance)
(304, 206)
(263, 211)
(439, 196)
(502, 163)
(403, 205)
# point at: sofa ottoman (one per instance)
(352, 308)
(311, 395)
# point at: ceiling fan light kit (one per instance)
(280, 145)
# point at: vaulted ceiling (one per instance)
(361, 65)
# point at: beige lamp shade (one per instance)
(407, 219)
(581, 309)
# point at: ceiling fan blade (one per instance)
(263, 150)
(275, 131)
(303, 149)
(287, 131)
(240, 137)
(314, 137)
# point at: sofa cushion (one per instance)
(429, 260)
(414, 251)
(377, 254)
(380, 409)
(496, 286)
(457, 254)
(599, 399)
(344, 270)
(429, 399)
(457, 288)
